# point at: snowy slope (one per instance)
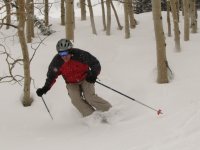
(128, 65)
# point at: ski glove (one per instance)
(42, 91)
(91, 77)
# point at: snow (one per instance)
(129, 66)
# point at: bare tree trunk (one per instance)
(103, 15)
(108, 4)
(160, 42)
(62, 13)
(182, 7)
(83, 10)
(176, 26)
(69, 19)
(131, 15)
(29, 22)
(27, 80)
(32, 18)
(116, 16)
(193, 16)
(46, 12)
(8, 17)
(17, 10)
(168, 19)
(127, 30)
(91, 17)
(186, 21)
(177, 8)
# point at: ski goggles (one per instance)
(63, 53)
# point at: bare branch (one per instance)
(14, 26)
(11, 63)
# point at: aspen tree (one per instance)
(108, 27)
(83, 9)
(8, 11)
(92, 17)
(176, 26)
(193, 16)
(126, 19)
(186, 21)
(103, 15)
(32, 20)
(29, 22)
(69, 26)
(26, 64)
(116, 16)
(160, 42)
(168, 18)
(46, 12)
(131, 15)
(62, 12)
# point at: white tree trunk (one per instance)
(168, 19)
(126, 20)
(62, 12)
(160, 42)
(46, 12)
(186, 21)
(69, 26)
(27, 80)
(108, 4)
(176, 26)
(103, 15)
(83, 9)
(193, 16)
(92, 17)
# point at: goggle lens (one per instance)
(63, 53)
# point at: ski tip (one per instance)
(159, 112)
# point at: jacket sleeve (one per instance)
(53, 71)
(87, 58)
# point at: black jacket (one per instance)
(73, 71)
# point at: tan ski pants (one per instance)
(83, 97)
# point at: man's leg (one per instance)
(75, 94)
(94, 100)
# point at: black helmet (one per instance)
(64, 44)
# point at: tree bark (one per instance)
(69, 20)
(92, 17)
(168, 19)
(32, 19)
(62, 13)
(29, 21)
(126, 19)
(131, 15)
(108, 5)
(176, 26)
(193, 16)
(103, 15)
(116, 16)
(83, 9)
(160, 42)
(8, 17)
(186, 21)
(46, 12)
(27, 80)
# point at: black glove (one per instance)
(42, 91)
(91, 77)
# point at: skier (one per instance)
(79, 70)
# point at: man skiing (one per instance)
(79, 70)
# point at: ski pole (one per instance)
(47, 107)
(158, 111)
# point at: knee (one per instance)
(107, 107)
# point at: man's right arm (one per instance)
(53, 71)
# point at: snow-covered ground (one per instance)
(128, 65)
